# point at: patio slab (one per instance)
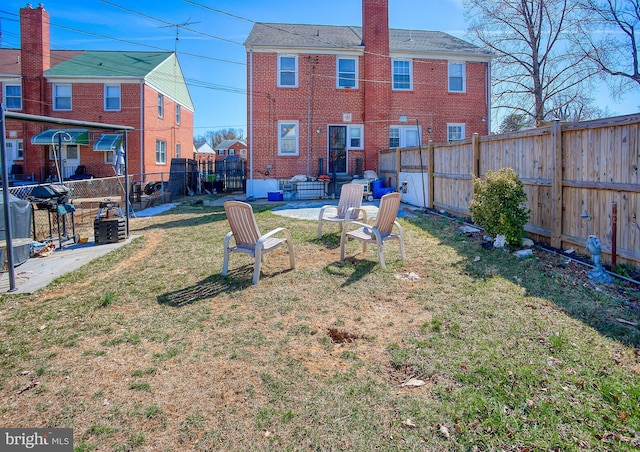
(38, 272)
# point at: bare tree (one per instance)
(582, 108)
(608, 35)
(513, 122)
(532, 65)
(199, 140)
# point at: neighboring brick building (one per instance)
(145, 90)
(320, 95)
(231, 147)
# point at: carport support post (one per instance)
(127, 214)
(7, 209)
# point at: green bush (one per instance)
(498, 205)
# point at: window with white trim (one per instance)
(455, 132)
(161, 152)
(109, 157)
(72, 152)
(288, 138)
(178, 150)
(287, 71)
(112, 97)
(404, 136)
(160, 106)
(19, 150)
(62, 97)
(457, 78)
(347, 73)
(220, 151)
(15, 150)
(178, 114)
(12, 97)
(355, 137)
(402, 75)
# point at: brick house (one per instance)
(231, 147)
(326, 98)
(145, 90)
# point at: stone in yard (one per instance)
(527, 242)
(466, 229)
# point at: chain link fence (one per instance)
(86, 196)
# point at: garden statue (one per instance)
(598, 274)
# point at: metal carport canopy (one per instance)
(5, 173)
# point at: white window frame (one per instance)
(178, 114)
(282, 140)
(57, 96)
(110, 95)
(178, 150)
(232, 152)
(6, 97)
(161, 152)
(340, 81)
(220, 151)
(15, 150)
(19, 150)
(463, 65)
(405, 134)
(455, 131)
(395, 86)
(160, 105)
(360, 128)
(109, 157)
(282, 71)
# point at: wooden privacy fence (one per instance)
(575, 176)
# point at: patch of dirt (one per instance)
(341, 337)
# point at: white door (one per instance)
(70, 159)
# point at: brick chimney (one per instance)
(35, 55)
(377, 76)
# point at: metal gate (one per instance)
(233, 173)
(183, 177)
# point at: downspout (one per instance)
(488, 98)
(250, 195)
(309, 118)
(141, 127)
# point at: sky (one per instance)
(209, 35)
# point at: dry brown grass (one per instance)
(150, 348)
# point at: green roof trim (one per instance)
(160, 70)
(108, 142)
(64, 136)
(168, 79)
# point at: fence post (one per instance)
(475, 164)
(398, 168)
(556, 185)
(430, 180)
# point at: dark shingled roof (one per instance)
(328, 36)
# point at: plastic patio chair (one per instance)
(248, 239)
(348, 207)
(380, 232)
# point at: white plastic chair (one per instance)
(380, 232)
(248, 239)
(348, 207)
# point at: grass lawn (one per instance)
(149, 348)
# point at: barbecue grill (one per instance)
(55, 200)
